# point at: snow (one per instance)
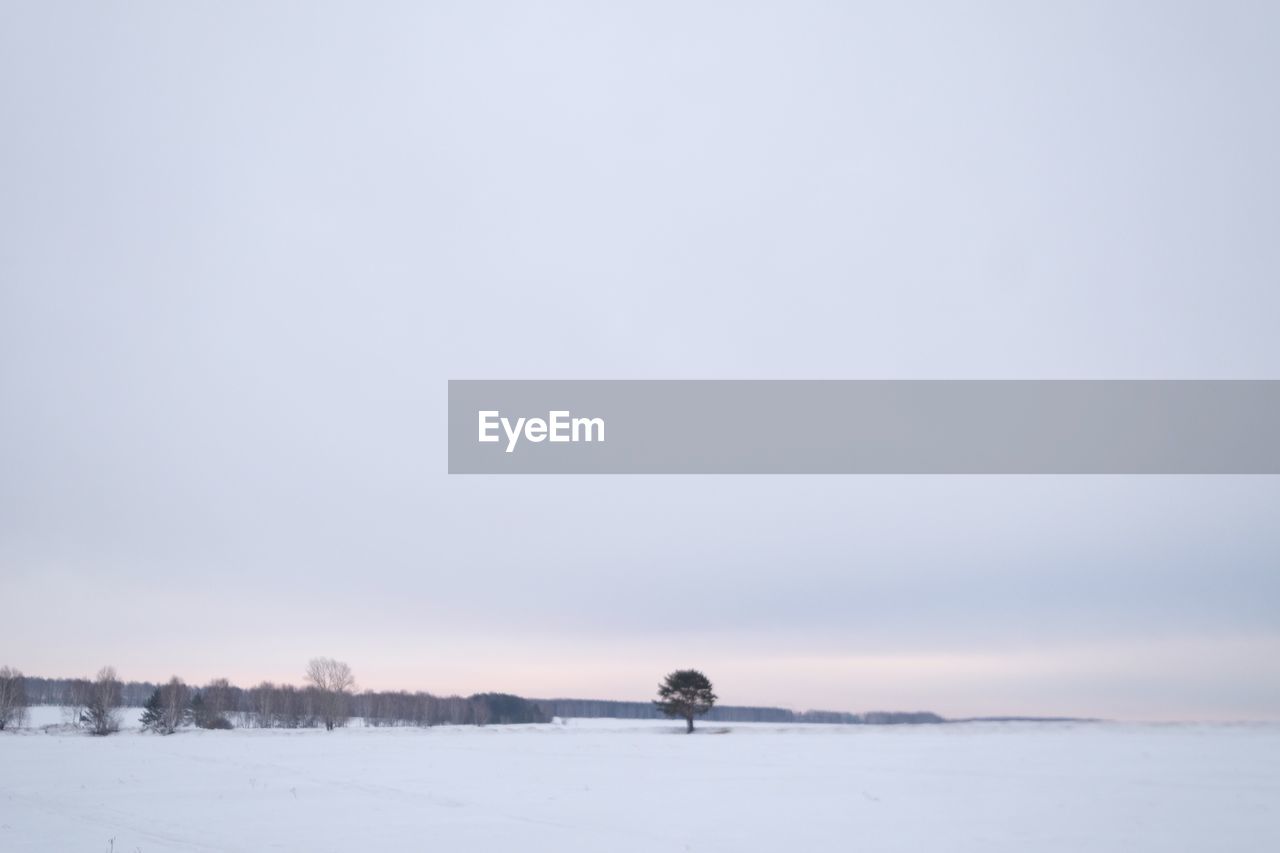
(615, 785)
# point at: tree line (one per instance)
(327, 699)
(588, 708)
(687, 693)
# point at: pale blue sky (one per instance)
(243, 247)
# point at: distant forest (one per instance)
(730, 713)
(271, 705)
(285, 706)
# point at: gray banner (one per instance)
(864, 427)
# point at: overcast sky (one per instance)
(244, 246)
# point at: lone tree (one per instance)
(685, 693)
(332, 683)
(13, 698)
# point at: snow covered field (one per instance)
(613, 785)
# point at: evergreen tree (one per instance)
(206, 714)
(199, 714)
(168, 708)
(152, 715)
(685, 693)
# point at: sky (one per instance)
(244, 246)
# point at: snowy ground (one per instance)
(613, 785)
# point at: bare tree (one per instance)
(212, 705)
(263, 705)
(76, 701)
(102, 705)
(168, 707)
(333, 683)
(13, 698)
(175, 705)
